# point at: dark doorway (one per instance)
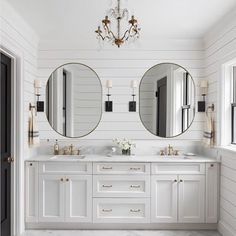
(186, 106)
(64, 94)
(161, 106)
(5, 129)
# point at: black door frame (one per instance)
(6, 65)
(17, 142)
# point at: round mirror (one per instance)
(74, 100)
(167, 100)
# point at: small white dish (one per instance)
(190, 154)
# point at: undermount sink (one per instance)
(175, 157)
(68, 157)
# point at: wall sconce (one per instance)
(132, 104)
(39, 104)
(203, 90)
(108, 103)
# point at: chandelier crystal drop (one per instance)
(106, 34)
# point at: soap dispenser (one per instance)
(56, 148)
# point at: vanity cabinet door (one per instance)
(191, 199)
(51, 198)
(31, 191)
(164, 198)
(78, 198)
(212, 192)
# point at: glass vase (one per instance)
(126, 152)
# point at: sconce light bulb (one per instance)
(37, 83)
(204, 84)
(109, 84)
(134, 84)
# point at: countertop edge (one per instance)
(149, 159)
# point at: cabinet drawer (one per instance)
(121, 210)
(121, 168)
(65, 168)
(178, 168)
(121, 186)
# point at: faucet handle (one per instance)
(162, 152)
(176, 152)
(66, 151)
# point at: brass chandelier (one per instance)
(117, 38)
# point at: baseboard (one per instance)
(225, 229)
(152, 226)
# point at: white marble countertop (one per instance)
(120, 158)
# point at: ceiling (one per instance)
(77, 19)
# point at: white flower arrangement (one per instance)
(124, 143)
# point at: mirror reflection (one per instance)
(167, 100)
(74, 100)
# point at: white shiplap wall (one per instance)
(227, 223)
(220, 46)
(18, 38)
(121, 66)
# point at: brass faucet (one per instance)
(170, 150)
(71, 149)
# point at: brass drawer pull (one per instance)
(107, 186)
(135, 210)
(135, 168)
(107, 210)
(106, 168)
(135, 186)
